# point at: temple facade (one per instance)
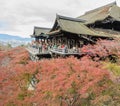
(68, 35)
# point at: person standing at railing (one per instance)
(75, 50)
(43, 47)
(40, 47)
(59, 46)
(49, 46)
(55, 46)
(33, 44)
(64, 48)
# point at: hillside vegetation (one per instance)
(93, 80)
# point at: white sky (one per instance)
(18, 17)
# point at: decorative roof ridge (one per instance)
(68, 18)
(108, 5)
(41, 28)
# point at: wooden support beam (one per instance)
(89, 39)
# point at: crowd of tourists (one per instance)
(46, 46)
(41, 46)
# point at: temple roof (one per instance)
(39, 30)
(72, 25)
(111, 10)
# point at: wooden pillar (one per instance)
(52, 41)
(36, 39)
(60, 40)
(55, 40)
(46, 40)
(73, 42)
(77, 43)
(67, 42)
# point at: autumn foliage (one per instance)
(103, 49)
(61, 81)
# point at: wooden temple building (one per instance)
(73, 33)
(39, 35)
(68, 35)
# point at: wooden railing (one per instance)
(35, 50)
(65, 51)
(60, 50)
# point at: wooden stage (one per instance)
(36, 55)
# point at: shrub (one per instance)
(113, 67)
